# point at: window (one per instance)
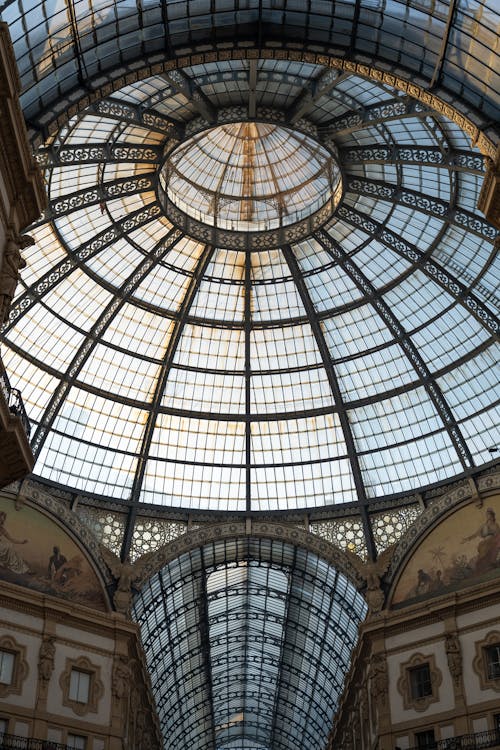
(4, 725)
(496, 722)
(420, 681)
(492, 654)
(7, 661)
(76, 741)
(79, 686)
(425, 740)
(13, 666)
(486, 663)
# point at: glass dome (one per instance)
(250, 176)
(345, 357)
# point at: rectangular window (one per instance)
(79, 686)
(493, 661)
(420, 681)
(496, 722)
(425, 740)
(7, 660)
(77, 742)
(3, 727)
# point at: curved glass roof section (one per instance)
(354, 363)
(250, 176)
(64, 51)
(248, 642)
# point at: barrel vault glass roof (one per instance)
(261, 664)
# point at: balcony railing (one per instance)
(478, 741)
(12, 742)
(14, 401)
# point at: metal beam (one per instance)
(95, 153)
(253, 68)
(417, 362)
(422, 202)
(426, 263)
(167, 363)
(63, 205)
(181, 83)
(95, 333)
(312, 92)
(78, 257)
(457, 159)
(332, 377)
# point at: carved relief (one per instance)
(46, 659)
(12, 263)
(121, 681)
(454, 656)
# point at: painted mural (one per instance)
(37, 553)
(463, 549)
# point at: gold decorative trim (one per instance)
(96, 688)
(404, 683)
(21, 668)
(478, 138)
(480, 665)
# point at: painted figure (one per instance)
(9, 558)
(488, 548)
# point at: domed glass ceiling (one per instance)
(338, 359)
(250, 176)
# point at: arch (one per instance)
(153, 562)
(277, 52)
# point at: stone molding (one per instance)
(96, 688)
(404, 684)
(479, 662)
(21, 668)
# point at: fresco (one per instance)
(463, 549)
(37, 553)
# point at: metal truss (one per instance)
(66, 204)
(435, 156)
(313, 92)
(405, 342)
(93, 337)
(425, 263)
(135, 114)
(78, 257)
(421, 202)
(183, 84)
(375, 114)
(111, 153)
